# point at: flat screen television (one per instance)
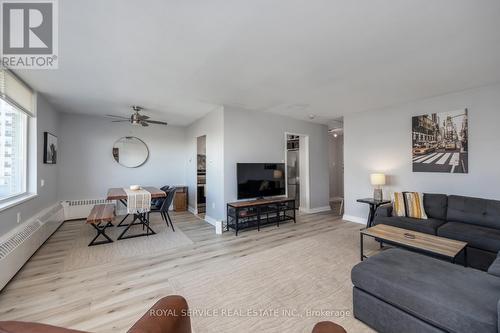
(258, 180)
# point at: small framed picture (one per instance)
(49, 148)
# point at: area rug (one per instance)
(285, 289)
(81, 255)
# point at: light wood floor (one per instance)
(110, 297)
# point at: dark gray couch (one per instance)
(473, 220)
(401, 291)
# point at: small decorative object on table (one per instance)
(410, 236)
(135, 187)
(377, 180)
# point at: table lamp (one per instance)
(377, 180)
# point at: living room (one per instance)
(241, 167)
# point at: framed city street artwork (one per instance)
(440, 142)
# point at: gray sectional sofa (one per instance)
(401, 291)
(473, 220)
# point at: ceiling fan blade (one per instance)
(156, 122)
(143, 117)
(121, 117)
(120, 121)
(144, 124)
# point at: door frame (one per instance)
(196, 173)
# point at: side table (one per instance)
(374, 204)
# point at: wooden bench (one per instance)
(101, 217)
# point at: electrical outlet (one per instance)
(19, 217)
(42, 182)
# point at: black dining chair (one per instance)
(156, 203)
(163, 210)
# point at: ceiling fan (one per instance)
(136, 118)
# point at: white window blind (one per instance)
(14, 91)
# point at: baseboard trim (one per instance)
(193, 210)
(216, 223)
(210, 220)
(315, 210)
(356, 219)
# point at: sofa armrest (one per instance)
(168, 315)
(327, 327)
(24, 327)
(384, 210)
(498, 316)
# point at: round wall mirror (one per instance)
(130, 152)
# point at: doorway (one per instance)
(297, 169)
(201, 175)
(336, 165)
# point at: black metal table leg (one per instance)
(101, 231)
(371, 216)
(123, 220)
(465, 257)
(144, 221)
(236, 221)
(258, 218)
(278, 215)
(362, 256)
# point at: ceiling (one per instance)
(181, 59)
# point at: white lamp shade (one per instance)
(377, 179)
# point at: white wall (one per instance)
(381, 141)
(87, 167)
(252, 136)
(47, 121)
(211, 125)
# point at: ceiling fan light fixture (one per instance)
(137, 119)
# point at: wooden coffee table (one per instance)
(418, 241)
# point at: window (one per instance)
(13, 151)
(17, 107)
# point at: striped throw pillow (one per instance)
(415, 205)
(398, 203)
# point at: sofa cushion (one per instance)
(384, 210)
(436, 205)
(474, 211)
(448, 296)
(476, 236)
(398, 204)
(428, 226)
(415, 205)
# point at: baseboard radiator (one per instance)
(17, 246)
(80, 209)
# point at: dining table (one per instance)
(119, 194)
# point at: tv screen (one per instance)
(257, 180)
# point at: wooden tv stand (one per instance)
(259, 213)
